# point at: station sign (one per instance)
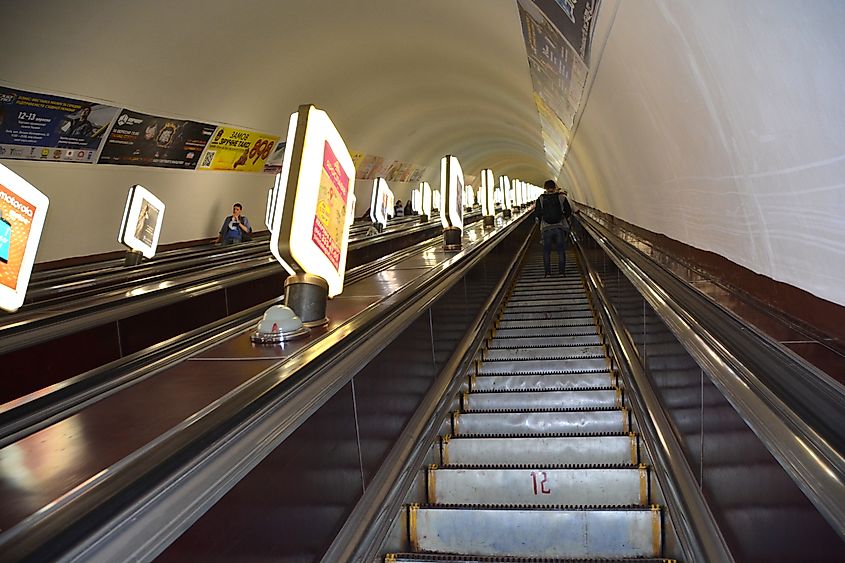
(140, 226)
(452, 190)
(311, 216)
(22, 212)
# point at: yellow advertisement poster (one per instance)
(236, 149)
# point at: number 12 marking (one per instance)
(543, 479)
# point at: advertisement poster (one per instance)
(147, 221)
(149, 140)
(238, 150)
(273, 164)
(16, 215)
(370, 168)
(43, 127)
(330, 218)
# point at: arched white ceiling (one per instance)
(404, 79)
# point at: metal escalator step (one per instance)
(556, 291)
(534, 400)
(546, 332)
(545, 353)
(544, 308)
(499, 341)
(537, 532)
(517, 315)
(455, 558)
(539, 449)
(566, 422)
(612, 485)
(566, 365)
(549, 381)
(546, 301)
(584, 320)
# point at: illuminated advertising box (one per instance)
(310, 231)
(427, 198)
(517, 192)
(469, 196)
(488, 199)
(272, 199)
(142, 220)
(435, 200)
(22, 212)
(452, 190)
(416, 200)
(505, 185)
(381, 202)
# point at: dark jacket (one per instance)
(549, 199)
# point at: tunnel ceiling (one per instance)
(407, 80)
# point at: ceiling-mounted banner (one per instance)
(237, 149)
(558, 35)
(44, 127)
(151, 140)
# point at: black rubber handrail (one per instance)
(29, 414)
(118, 514)
(41, 325)
(698, 532)
(797, 411)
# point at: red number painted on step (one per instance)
(540, 485)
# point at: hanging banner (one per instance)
(43, 127)
(150, 140)
(238, 150)
(558, 35)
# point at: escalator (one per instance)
(540, 460)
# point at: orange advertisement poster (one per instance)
(16, 216)
(330, 218)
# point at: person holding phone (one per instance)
(236, 227)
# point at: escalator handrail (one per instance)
(698, 533)
(135, 508)
(26, 415)
(364, 530)
(799, 427)
(41, 325)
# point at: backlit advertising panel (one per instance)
(22, 212)
(311, 217)
(142, 219)
(381, 202)
(488, 200)
(427, 198)
(452, 188)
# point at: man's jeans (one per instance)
(557, 238)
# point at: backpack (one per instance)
(551, 211)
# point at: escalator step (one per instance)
(546, 332)
(548, 381)
(546, 353)
(537, 532)
(455, 558)
(533, 400)
(540, 449)
(539, 486)
(567, 365)
(579, 421)
(499, 341)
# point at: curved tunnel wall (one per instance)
(721, 125)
